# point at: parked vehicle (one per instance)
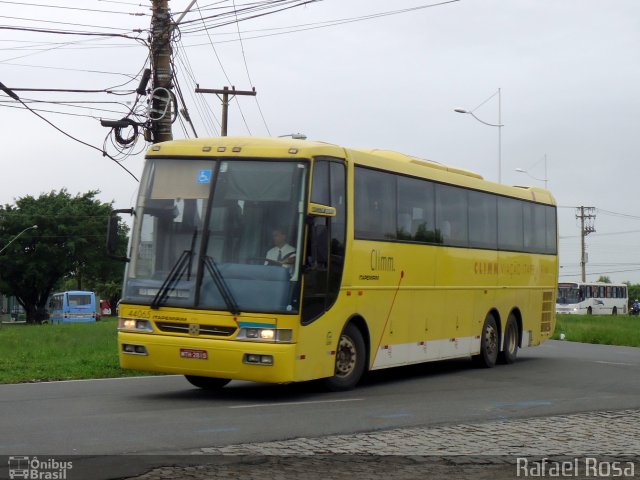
(73, 307)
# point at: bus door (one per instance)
(325, 248)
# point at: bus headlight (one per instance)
(283, 335)
(267, 334)
(134, 325)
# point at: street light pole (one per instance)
(499, 135)
(14, 238)
(499, 125)
(295, 136)
(546, 176)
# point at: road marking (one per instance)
(520, 405)
(393, 415)
(258, 405)
(218, 430)
(51, 382)
(616, 363)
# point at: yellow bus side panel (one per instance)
(426, 302)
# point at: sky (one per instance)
(567, 72)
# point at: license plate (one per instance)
(191, 353)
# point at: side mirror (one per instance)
(112, 234)
(319, 210)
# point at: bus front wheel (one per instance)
(589, 311)
(350, 360)
(207, 383)
(489, 344)
(510, 343)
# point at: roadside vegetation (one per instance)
(33, 353)
(36, 353)
(601, 329)
(55, 243)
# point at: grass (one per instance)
(601, 329)
(34, 353)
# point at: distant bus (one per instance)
(595, 298)
(74, 306)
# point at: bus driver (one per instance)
(282, 253)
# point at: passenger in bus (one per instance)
(282, 253)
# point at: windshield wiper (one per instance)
(176, 273)
(220, 282)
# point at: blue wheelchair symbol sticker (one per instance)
(204, 176)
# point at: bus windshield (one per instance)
(568, 295)
(206, 232)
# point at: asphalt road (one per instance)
(167, 415)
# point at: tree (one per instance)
(69, 242)
(634, 292)
(604, 279)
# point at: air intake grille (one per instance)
(184, 328)
(547, 312)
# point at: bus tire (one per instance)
(207, 383)
(614, 311)
(589, 311)
(510, 342)
(350, 360)
(489, 344)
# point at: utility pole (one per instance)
(161, 114)
(225, 101)
(587, 216)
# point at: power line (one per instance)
(72, 90)
(269, 5)
(617, 214)
(122, 3)
(246, 66)
(318, 25)
(95, 117)
(63, 23)
(602, 234)
(185, 111)
(205, 111)
(74, 8)
(90, 44)
(60, 45)
(601, 273)
(70, 69)
(104, 153)
(71, 32)
(225, 74)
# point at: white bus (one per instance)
(594, 298)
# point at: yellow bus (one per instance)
(390, 260)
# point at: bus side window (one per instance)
(317, 245)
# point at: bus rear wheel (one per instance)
(350, 360)
(510, 343)
(589, 311)
(614, 311)
(489, 344)
(207, 383)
